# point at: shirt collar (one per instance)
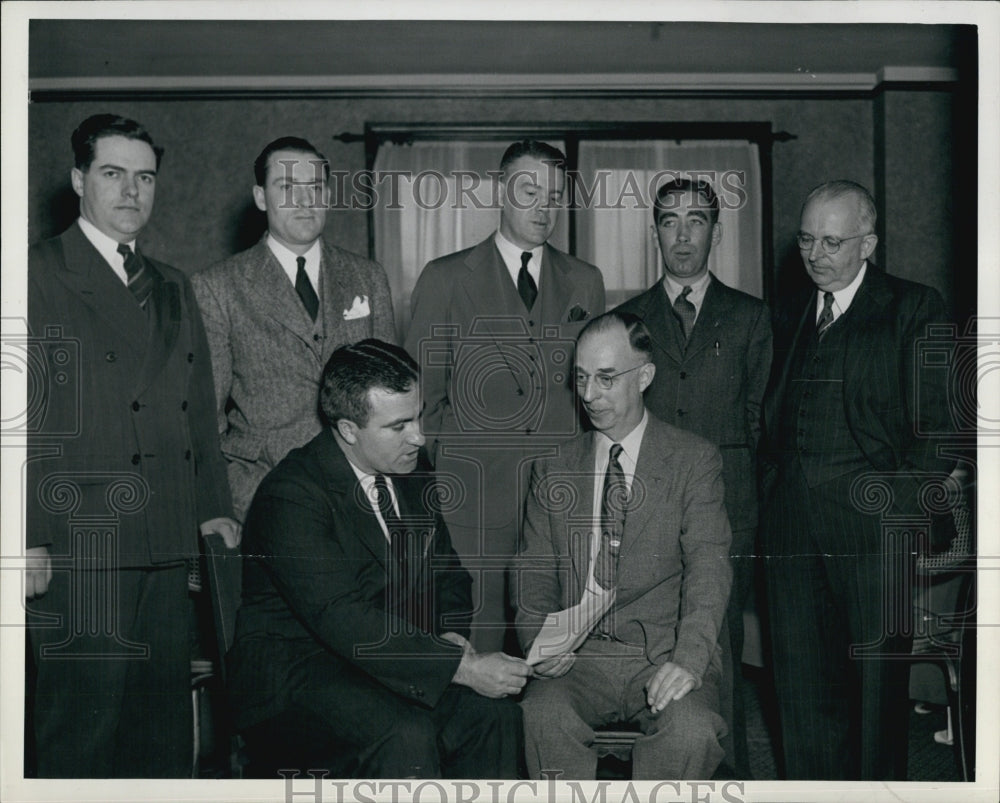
(106, 246)
(289, 260)
(843, 298)
(630, 444)
(698, 288)
(511, 255)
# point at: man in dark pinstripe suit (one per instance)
(844, 407)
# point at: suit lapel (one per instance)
(556, 292)
(581, 470)
(164, 310)
(92, 279)
(865, 310)
(487, 286)
(646, 486)
(273, 294)
(663, 327)
(715, 308)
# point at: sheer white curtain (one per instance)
(615, 219)
(446, 202)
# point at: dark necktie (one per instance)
(140, 280)
(685, 312)
(613, 501)
(305, 289)
(526, 287)
(826, 316)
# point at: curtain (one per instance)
(616, 186)
(445, 201)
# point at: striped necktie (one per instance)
(140, 280)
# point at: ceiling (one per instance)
(68, 53)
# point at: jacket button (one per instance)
(135, 406)
(316, 338)
(680, 413)
(184, 404)
(110, 356)
(187, 455)
(190, 356)
(684, 375)
(135, 460)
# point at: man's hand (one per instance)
(492, 674)
(228, 528)
(555, 667)
(37, 571)
(671, 682)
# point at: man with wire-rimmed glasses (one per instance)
(844, 405)
(627, 518)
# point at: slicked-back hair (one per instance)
(638, 334)
(841, 188)
(296, 144)
(353, 370)
(532, 148)
(98, 126)
(682, 185)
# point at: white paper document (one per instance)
(566, 630)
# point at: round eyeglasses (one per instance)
(830, 244)
(603, 381)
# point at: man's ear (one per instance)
(348, 430)
(76, 179)
(716, 233)
(259, 198)
(646, 374)
(868, 243)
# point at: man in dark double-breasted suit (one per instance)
(123, 469)
(711, 373)
(355, 611)
(847, 428)
(493, 329)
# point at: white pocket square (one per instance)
(359, 309)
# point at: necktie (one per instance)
(401, 585)
(685, 312)
(613, 501)
(140, 280)
(526, 287)
(305, 289)
(826, 316)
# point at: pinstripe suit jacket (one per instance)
(895, 406)
(266, 358)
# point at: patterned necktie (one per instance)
(826, 316)
(526, 287)
(140, 280)
(685, 312)
(613, 501)
(393, 523)
(305, 289)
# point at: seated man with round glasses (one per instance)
(631, 513)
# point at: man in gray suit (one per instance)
(633, 509)
(276, 312)
(493, 329)
(712, 351)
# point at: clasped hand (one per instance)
(491, 674)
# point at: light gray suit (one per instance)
(673, 584)
(268, 355)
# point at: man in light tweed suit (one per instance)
(276, 312)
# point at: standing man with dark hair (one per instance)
(123, 469)
(844, 407)
(493, 328)
(712, 351)
(355, 607)
(634, 510)
(276, 312)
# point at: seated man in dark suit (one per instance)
(355, 607)
(630, 516)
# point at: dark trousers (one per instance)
(112, 650)
(836, 585)
(731, 702)
(465, 735)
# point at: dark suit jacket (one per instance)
(128, 407)
(673, 571)
(890, 396)
(715, 392)
(493, 374)
(315, 579)
(266, 361)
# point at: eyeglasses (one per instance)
(603, 381)
(830, 244)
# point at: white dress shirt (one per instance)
(368, 486)
(107, 247)
(289, 261)
(511, 255)
(841, 298)
(696, 296)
